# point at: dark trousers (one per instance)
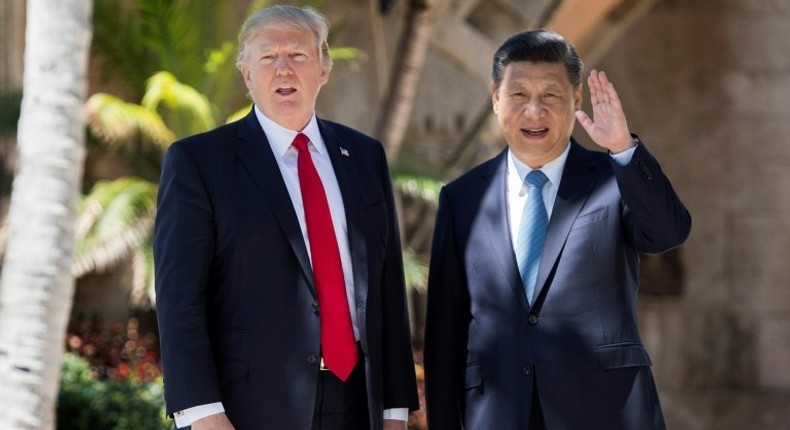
(342, 405)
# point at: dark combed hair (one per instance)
(539, 46)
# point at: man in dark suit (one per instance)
(279, 275)
(531, 320)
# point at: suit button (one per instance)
(315, 308)
(312, 359)
(527, 370)
(533, 319)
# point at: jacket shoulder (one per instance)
(219, 136)
(483, 171)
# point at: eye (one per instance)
(267, 59)
(299, 56)
(517, 94)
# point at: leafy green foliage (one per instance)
(116, 221)
(111, 378)
(191, 109)
(87, 403)
(415, 270)
(419, 187)
(135, 39)
(115, 122)
(10, 105)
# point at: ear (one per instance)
(324, 76)
(578, 96)
(494, 97)
(246, 75)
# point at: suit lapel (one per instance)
(494, 218)
(256, 154)
(341, 153)
(578, 179)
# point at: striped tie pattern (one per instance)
(532, 232)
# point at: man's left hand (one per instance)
(394, 425)
(608, 127)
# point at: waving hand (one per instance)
(607, 127)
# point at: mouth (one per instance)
(285, 91)
(535, 133)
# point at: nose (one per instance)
(282, 66)
(534, 108)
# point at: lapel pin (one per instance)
(344, 152)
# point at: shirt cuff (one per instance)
(401, 414)
(623, 158)
(188, 416)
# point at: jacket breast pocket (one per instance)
(619, 355)
(588, 218)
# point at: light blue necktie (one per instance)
(532, 233)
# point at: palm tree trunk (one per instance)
(37, 286)
(413, 48)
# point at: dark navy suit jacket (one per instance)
(236, 300)
(486, 347)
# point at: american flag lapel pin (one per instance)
(344, 152)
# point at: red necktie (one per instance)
(338, 346)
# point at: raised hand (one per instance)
(608, 127)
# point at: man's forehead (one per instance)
(527, 71)
(282, 35)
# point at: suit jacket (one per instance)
(236, 300)
(486, 347)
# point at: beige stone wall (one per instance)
(705, 83)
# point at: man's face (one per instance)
(535, 106)
(283, 72)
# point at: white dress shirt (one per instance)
(280, 140)
(517, 188)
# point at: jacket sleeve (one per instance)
(446, 327)
(656, 219)
(183, 248)
(400, 386)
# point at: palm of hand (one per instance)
(608, 128)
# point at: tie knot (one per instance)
(536, 178)
(300, 142)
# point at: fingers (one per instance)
(584, 120)
(602, 92)
(595, 89)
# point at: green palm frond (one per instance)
(172, 34)
(118, 42)
(419, 187)
(415, 270)
(116, 218)
(193, 110)
(143, 295)
(115, 122)
(345, 53)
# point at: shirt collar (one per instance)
(553, 169)
(281, 138)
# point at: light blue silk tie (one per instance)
(532, 232)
